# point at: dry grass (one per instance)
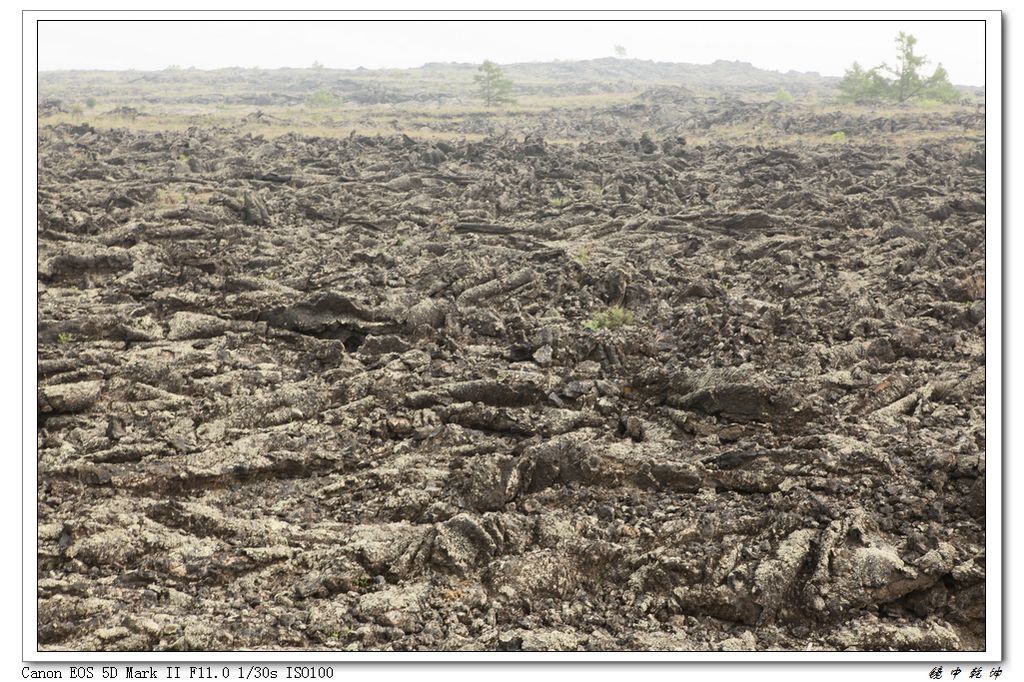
(955, 139)
(428, 121)
(304, 125)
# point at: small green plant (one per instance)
(782, 96)
(582, 257)
(64, 338)
(90, 102)
(76, 109)
(504, 377)
(610, 318)
(322, 99)
(837, 137)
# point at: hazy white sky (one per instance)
(827, 47)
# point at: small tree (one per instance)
(620, 52)
(90, 102)
(495, 88)
(898, 83)
(859, 85)
(939, 87)
(908, 81)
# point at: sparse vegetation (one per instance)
(90, 102)
(610, 318)
(322, 99)
(495, 88)
(837, 137)
(898, 83)
(64, 338)
(169, 197)
(783, 96)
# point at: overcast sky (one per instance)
(825, 47)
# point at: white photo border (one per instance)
(996, 609)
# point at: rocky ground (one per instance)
(627, 393)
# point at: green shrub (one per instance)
(782, 96)
(610, 318)
(322, 99)
(837, 137)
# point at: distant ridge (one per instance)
(438, 81)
